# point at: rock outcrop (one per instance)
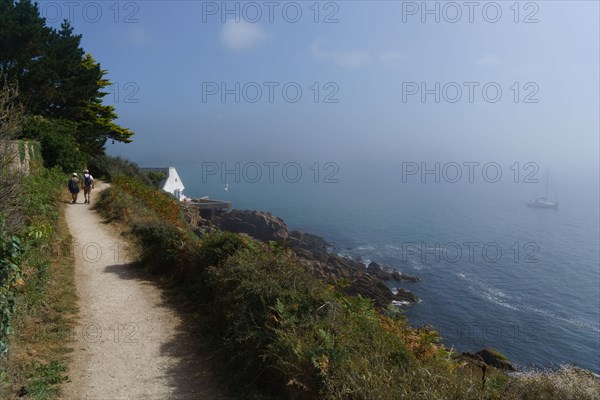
(492, 358)
(314, 255)
(258, 224)
(389, 274)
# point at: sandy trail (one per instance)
(128, 344)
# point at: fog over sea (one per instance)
(494, 272)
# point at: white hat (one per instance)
(74, 173)
(86, 171)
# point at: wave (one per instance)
(366, 247)
(491, 294)
(400, 303)
(572, 321)
(497, 300)
(389, 246)
(500, 298)
(478, 287)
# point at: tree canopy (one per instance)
(57, 80)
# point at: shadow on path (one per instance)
(191, 376)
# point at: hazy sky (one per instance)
(362, 67)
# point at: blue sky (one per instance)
(164, 54)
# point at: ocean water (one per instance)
(494, 272)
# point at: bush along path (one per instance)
(128, 344)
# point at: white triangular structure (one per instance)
(172, 183)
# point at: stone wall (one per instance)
(22, 155)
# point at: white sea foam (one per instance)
(572, 321)
(493, 295)
(400, 303)
(498, 297)
(362, 248)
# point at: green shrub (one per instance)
(130, 200)
(165, 206)
(295, 336)
(117, 205)
(217, 247)
(58, 144)
(156, 177)
(168, 248)
(41, 195)
(11, 253)
(246, 288)
(108, 168)
(24, 252)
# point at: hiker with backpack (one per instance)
(88, 185)
(74, 187)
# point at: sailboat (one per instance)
(545, 202)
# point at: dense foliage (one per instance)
(59, 146)
(108, 168)
(11, 252)
(57, 81)
(22, 253)
(156, 177)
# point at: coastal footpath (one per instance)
(128, 343)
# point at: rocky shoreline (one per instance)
(371, 281)
(313, 252)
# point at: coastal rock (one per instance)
(370, 286)
(389, 274)
(258, 224)
(308, 245)
(198, 225)
(406, 296)
(492, 358)
(313, 254)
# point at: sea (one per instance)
(494, 272)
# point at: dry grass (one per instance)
(568, 383)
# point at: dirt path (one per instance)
(128, 343)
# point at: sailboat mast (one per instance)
(547, 181)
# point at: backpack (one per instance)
(87, 180)
(73, 187)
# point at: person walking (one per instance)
(88, 185)
(74, 187)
